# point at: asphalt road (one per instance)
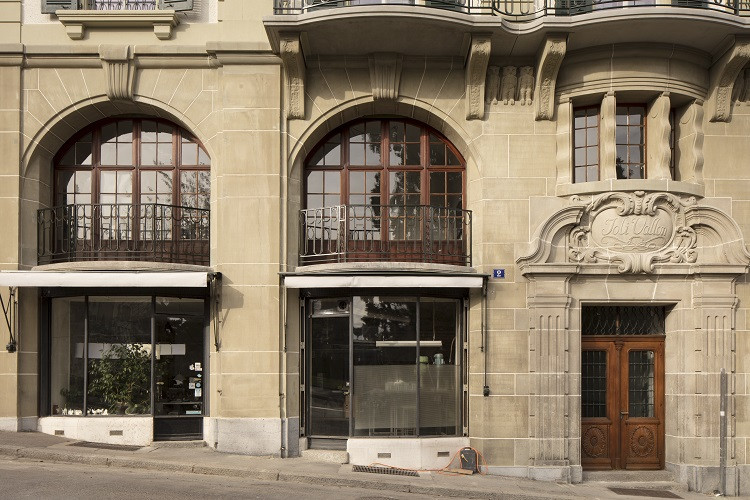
(21, 479)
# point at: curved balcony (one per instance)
(381, 233)
(520, 10)
(146, 232)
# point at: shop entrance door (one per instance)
(622, 395)
(328, 369)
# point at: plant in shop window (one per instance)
(121, 379)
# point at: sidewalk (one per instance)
(204, 460)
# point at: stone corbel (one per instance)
(385, 75)
(548, 64)
(119, 71)
(723, 75)
(290, 51)
(476, 73)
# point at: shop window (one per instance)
(630, 141)
(586, 144)
(103, 366)
(405, 359)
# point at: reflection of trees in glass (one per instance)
(121, 379)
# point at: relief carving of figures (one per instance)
(526, 85)
(634, 231)
(492, 88)
(508, 85)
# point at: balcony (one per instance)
(145, 232)
(379, 233)
(519, 10)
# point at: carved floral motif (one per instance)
(635, 231)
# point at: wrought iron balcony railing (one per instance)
(519, 10)
(380, 233)
(130, 232)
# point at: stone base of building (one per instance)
(557, 473)
(253, 436)
(135, 431)
(18, 424)
(706, 479)
(407, 453)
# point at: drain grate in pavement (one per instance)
(384, 470)
(641, 492)
(105, 446)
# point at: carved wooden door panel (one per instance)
(622, 403)
(599, 383)
(642, 404)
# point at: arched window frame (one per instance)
(179, 138)
(428, 137)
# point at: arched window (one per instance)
(129, 189)
(376, 182)
(133, 161)
(385, 162)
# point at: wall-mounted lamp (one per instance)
(10, 312)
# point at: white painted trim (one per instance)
(360, 281)
(185, 279)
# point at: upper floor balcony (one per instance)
(146, 232)
(385, 233)
(520, 10)
(517, 28)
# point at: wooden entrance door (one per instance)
(622, 410)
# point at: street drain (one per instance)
(640, 492)
(384, 470)
(105, 446)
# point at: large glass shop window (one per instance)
(404, 354)
(122, 347)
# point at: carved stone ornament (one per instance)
(385, 75)
(724, 74)
(290, 51)
(549, 62)
(636, 232)
(476, 72)
(119, 71)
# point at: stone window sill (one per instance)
(76, 22)
(594, 187)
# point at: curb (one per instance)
(258, 475)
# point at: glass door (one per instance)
(329, 396)
(179, 368)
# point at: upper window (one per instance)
(385, 162)
(630, 133)
(133, 161)
(586, 144)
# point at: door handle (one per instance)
(622, 414)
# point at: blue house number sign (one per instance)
(498, 273)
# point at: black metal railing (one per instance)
(518, 10)
(132, 232)
(377, 233)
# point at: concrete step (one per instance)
(329, 456)
(179, 444)
(647, 480)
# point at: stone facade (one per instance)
(261, 88)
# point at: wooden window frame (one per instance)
(585, 145)
(96, 167)
(643, 145)
(384, 167)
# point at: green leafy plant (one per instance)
(121, 379)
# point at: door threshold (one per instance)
(628, 476)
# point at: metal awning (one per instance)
(105, 279)
(382, 281)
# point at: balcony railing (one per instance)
(519, 10)
(129, 232)
(379, 233)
